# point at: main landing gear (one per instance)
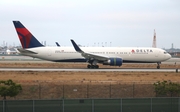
(158, 65)
(93, 66)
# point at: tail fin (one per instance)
(26, 38)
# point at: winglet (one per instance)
(57, 44)
(76, 47)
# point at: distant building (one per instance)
(175, 52)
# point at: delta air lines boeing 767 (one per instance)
(113, 56)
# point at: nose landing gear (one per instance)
(158, 65)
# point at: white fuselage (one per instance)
(128, 54)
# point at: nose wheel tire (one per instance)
(158, 65)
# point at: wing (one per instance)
(90, 56)
(94, 58)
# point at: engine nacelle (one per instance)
(114, 62)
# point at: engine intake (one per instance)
(114, 62)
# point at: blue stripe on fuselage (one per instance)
(71, 60)
(85, 60)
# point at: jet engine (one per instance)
(114, 62)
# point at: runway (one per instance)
(171, 61)
(90, 70)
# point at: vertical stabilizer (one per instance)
(26, 38)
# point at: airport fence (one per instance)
(93, 105)
(56, 90)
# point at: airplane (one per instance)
(113, 56)
(57, 44)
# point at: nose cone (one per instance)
(168, 56)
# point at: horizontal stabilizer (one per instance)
(24, 51)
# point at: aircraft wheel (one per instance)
(93, 66)
(88, 66)
(97, 66)
(158, 67)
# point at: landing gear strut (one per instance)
(92, 64)
(158, 65)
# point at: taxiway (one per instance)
(91, 70)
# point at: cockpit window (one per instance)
(165, 52)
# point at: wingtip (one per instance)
(72, 41)
(76, 47)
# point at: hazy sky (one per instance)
(125, 23)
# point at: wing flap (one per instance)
(94, 56)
